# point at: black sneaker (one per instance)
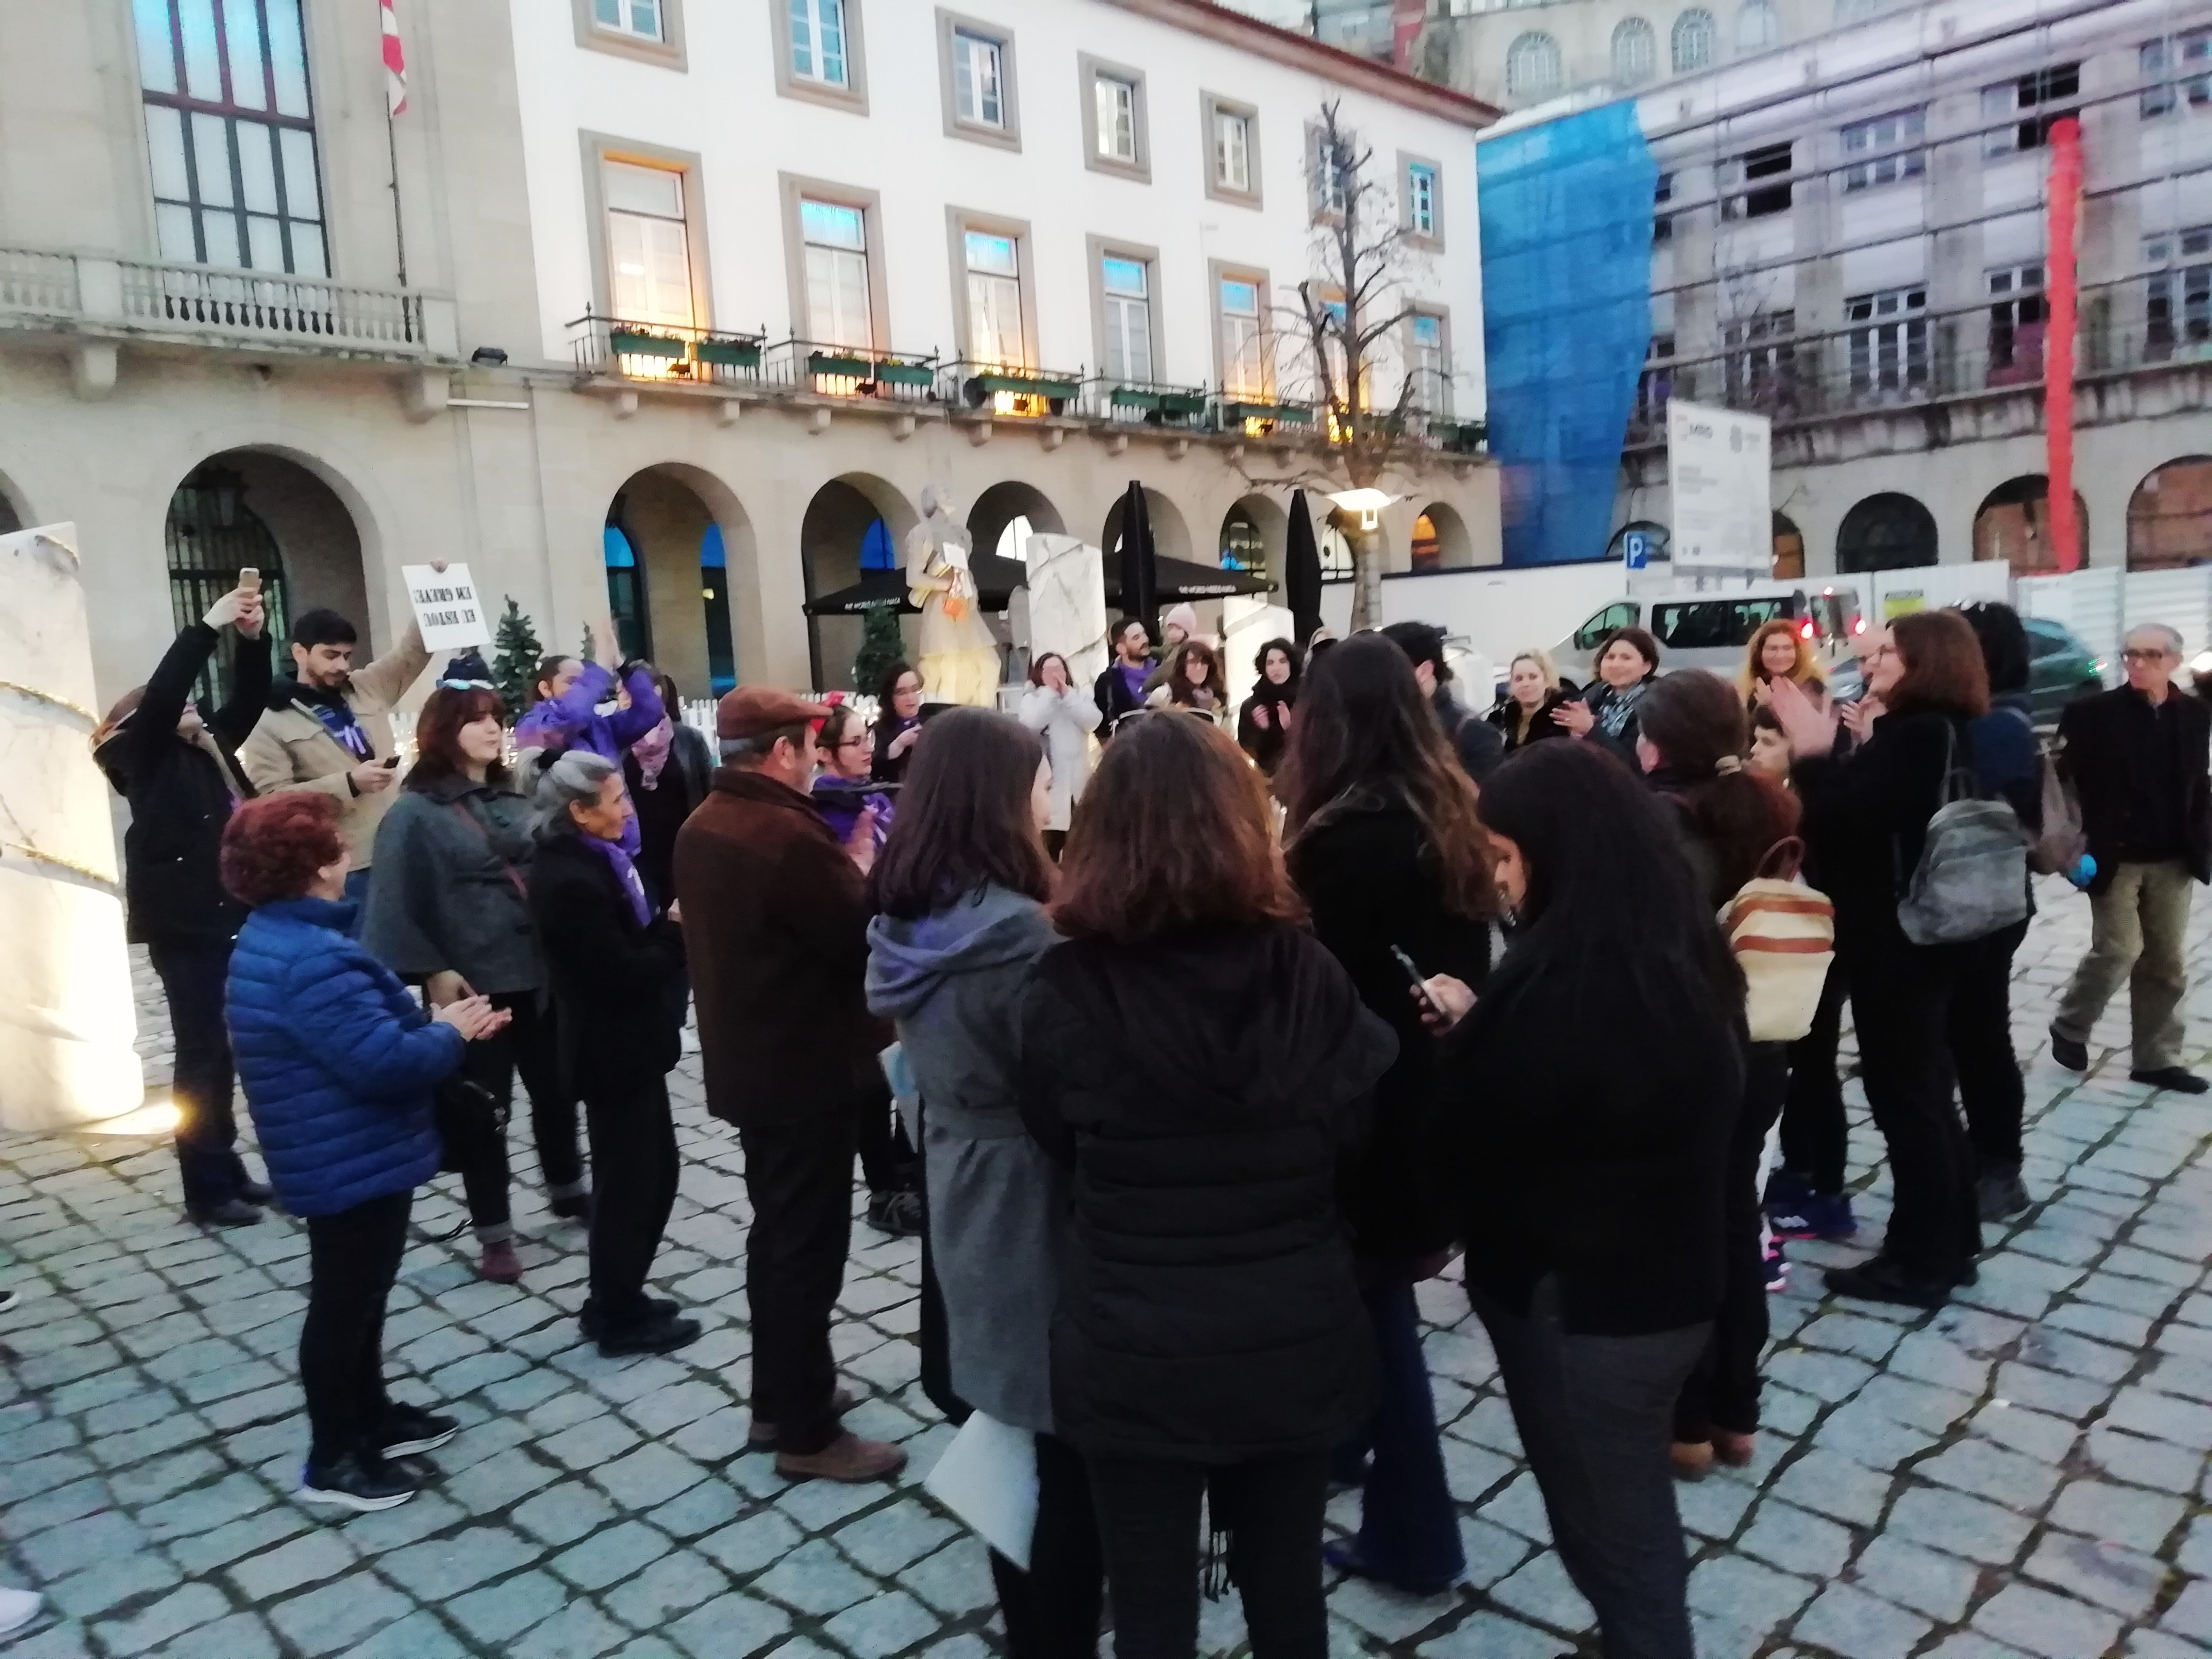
(407, 1430)
(576, 1207)
(231, 1212)
(897, 1212)
(652, 1334)
(1880, 1279)
(361, 1482)
(254, 1193)
(656, 1308)
(1999, 1195)
(2175, 1079)
(2073, 1056)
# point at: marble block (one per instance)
(67, 1020)
(1248, 621)
(1067, 603)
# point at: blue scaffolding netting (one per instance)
(1566, 209)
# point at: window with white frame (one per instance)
(1125, 287)
(995, 299)
(1113, 103)
(1888, 340)
(1761, 366)
(2039, 100)
(1423, 199)
(1431, 393)
(835, 236)
(1764, 177)
(648, 245)
(978, 83)
(1244, 347)
(1756, 26)
(1883, 149)
(1693, 41)
(1328, 168)
(1532, 66)
(1635, 52)
(2175, 68)
(2178, 309)
(2016, 322)
(818, 42)
(641, 19)
(1232, 150)
(230, 135)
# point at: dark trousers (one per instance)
(195, 977)
(476, 1146)
(1595, 1413)
(1148, 1515)
(353, 1258)
(1990, 1086)
(1722, 1390)
(1051, 1612)
(634, 1170)
(1901, 997)
(1815, 1135)
(799, 1178)
(888, 1163)
(1408, 1524)
(356, 892)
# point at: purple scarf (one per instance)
(625, 872)
(652, 752)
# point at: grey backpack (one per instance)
(1971, 878)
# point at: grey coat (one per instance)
(451, 859)
(953, 982)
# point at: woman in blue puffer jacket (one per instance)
(339, 1062)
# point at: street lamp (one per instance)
(1366, 505)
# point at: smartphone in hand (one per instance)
(249, 581)
(1420, 985)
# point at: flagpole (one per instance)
(395, 100)
(398, 226)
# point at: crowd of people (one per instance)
(1181, 1033)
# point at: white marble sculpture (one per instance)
(1067, 603)
(1248, 621)
(67, 1021)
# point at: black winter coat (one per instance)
(1114, 699)
(1506, 719)
(1202, 1089)
(1866, 820)
(2100, 753)
(618, 988)
(180, 797)
(1479, 744)
(661, 810)
(1366, 878)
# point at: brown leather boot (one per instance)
(848, 1457)
(761, 1436)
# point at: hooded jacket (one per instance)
(338, 1058)
(1203, 1089)
(182, 791)
(952, 981)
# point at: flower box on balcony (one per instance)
(634, 343)
(837, 364)
(1281, 414)
(1027, 385)
(730, 354)
(896, 374)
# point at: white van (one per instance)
(1710, 630)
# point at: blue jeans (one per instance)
(1408, 1524)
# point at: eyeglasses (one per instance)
(2139, 653)
(851, 743)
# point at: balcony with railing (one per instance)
(103, 297)
(1009, 389)
(824, 369)
(615, 346)
(1119, 401)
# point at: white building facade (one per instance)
(672, 308)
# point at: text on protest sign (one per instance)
(446, 606)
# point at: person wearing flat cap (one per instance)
(776, 915)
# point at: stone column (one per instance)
(67, 1021)
(1068, 604)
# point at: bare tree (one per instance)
(1351, 321)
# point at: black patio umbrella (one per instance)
(1139, 583)
(1301, 571)
(1177, 580)
(995, 580)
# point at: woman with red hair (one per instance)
(339, 1062)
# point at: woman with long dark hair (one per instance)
(898, 721)
(1590, 1094)
(1385, 847)
(1627, 667)
(1263, 724)
(1733, 823)
(450, 911)
(1199, 1065)
(1866, 817)
(960, 894)
(1194, 682)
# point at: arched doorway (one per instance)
(1440, 540)
(1253, 533)
(1788, 549)
(1171, 535)
(2170, 516)
(1888, 532)
(2013, 524)
(672, 534)
(854, 524)
(252, 509)
(1001, 504)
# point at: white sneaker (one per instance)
(17, 1609)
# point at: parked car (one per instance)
(1711, 630)
(2060, 668)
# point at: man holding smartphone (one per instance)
(327, 728)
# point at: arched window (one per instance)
(1532, 67)
(211, 535)
(1755, 26)
(2170, 516)
(1693, 41)
(625, 587)
(1888, 531)
(1635, 52)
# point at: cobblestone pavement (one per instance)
(2023, 1473)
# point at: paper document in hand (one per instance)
(988, 1477)
(446, 606)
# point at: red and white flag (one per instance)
(395, 62)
